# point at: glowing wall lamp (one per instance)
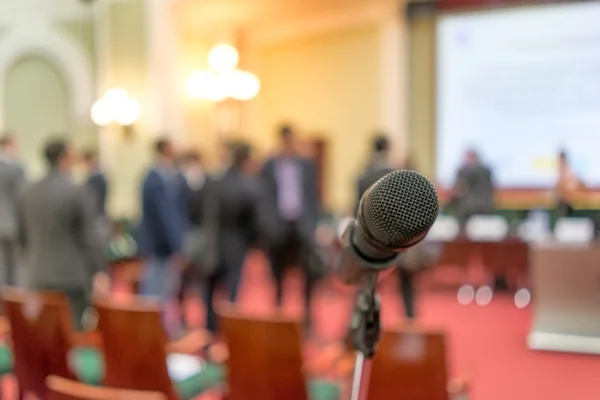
(223, 80)
(116, 107)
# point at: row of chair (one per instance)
(495, 228)
(129, 350)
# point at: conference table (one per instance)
(566, 304)
(500, 258)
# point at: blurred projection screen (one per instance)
(518, 85)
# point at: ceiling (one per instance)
(200, 16)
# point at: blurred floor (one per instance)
(486, 344)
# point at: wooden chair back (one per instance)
(410, 364)
(265, 358)
(66, 389)
(134, 345)
(41, 327)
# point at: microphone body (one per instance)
(353, 266)
(394, 214)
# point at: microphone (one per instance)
(394, 214)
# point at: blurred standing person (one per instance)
(198, 183)
(12, 183)
(59, 236)
(290, 184)
(98, 186)
(379, 165)
(96, 180)
(236, 201)
(164, 224)
(473, 189)
(566, 186)
(474, 195)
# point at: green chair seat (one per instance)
(89, 368)
(212, 375)
(323, 390)
(88, 365)
(6, 360)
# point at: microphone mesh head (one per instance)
(400, 208)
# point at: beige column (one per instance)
(393, 79)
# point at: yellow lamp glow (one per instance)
(115, 106)
(207, 85)
(100, 113)
(115, 96)
(223, 57)
(247, 86)
(128, 112)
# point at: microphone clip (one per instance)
(365, 328)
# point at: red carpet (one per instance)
(486, 344)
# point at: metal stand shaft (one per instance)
(364, 334)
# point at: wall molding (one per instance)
(43, 39)
(371, 12)
(55, 10)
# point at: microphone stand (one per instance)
(364, 334)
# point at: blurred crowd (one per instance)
(194, 232)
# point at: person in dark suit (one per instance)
(291, 193)
(97, 184)
(236, 199)
(198, 184)
(164, 224)
(12, 184)
(58, 234)
(379, 166)
(474, 195)
(96, 180)
(567, 185)
(474, 188)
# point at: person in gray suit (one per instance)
(290, 185)
(59, 237)
(474, 188)
(12, 183)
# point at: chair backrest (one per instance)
(134, 345)
(445, 229)
(265, 358)
(41, 326)
(67, 389)
(574, 230)
(410, 364)
(486, 228)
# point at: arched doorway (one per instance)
(36, 107)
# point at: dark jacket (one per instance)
(475, 190)
(99, 187)
(310, 200)
(240, 204)
(164, 214)
(371, 175)
(196, 201)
